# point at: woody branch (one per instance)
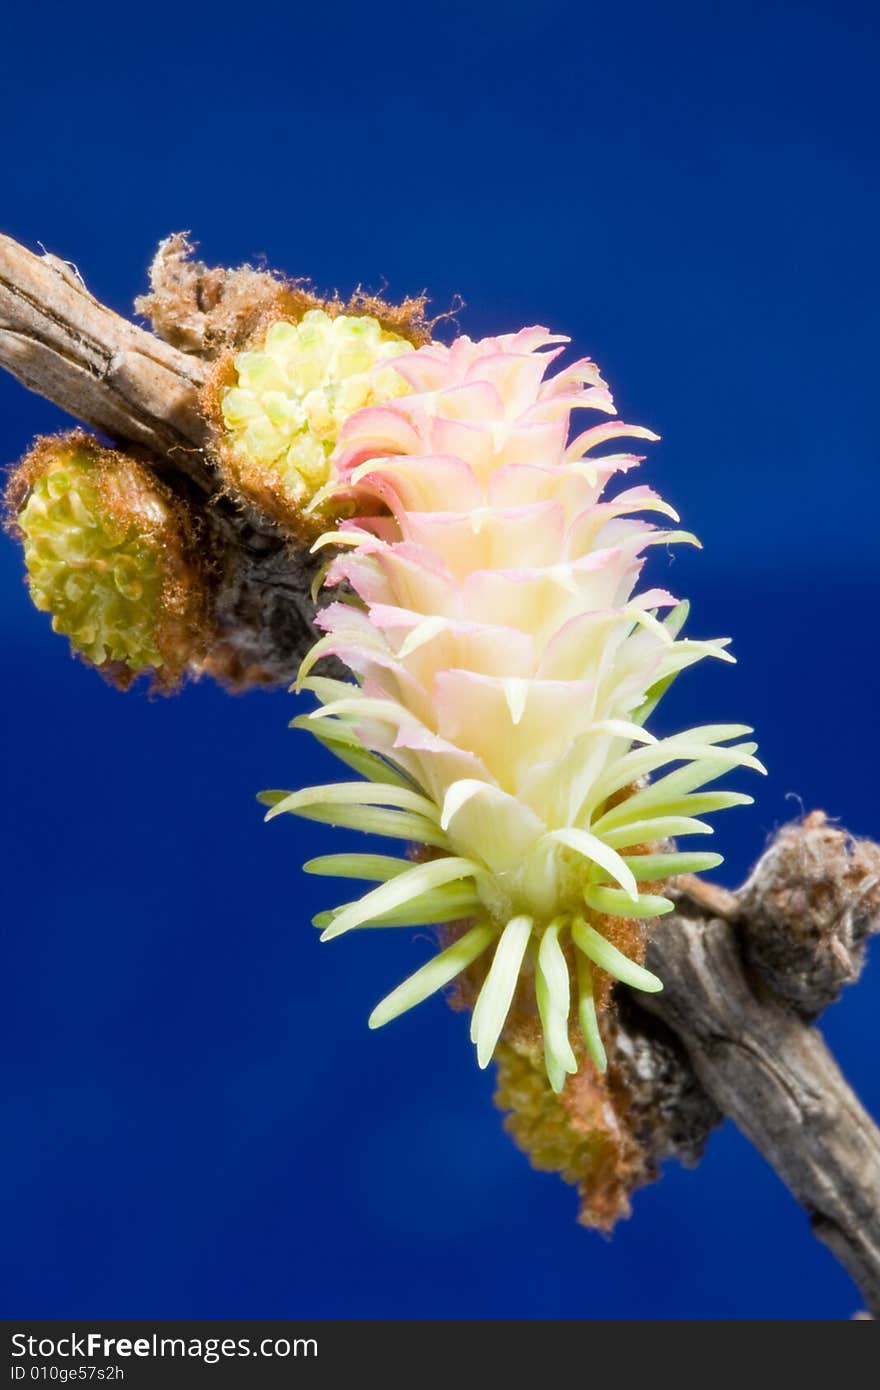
(746, 974)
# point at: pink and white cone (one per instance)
(506, 666)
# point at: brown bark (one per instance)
(775, 1077)
(744, 973)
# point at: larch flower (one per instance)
(506, 666)
(110, 554)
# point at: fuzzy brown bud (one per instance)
(808, 909)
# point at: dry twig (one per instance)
(745, 973)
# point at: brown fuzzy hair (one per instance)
(206, 310)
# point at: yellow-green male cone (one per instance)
(109, 554)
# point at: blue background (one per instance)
(197, 1122)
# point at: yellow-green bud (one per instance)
(286, 398)
(109, 554)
